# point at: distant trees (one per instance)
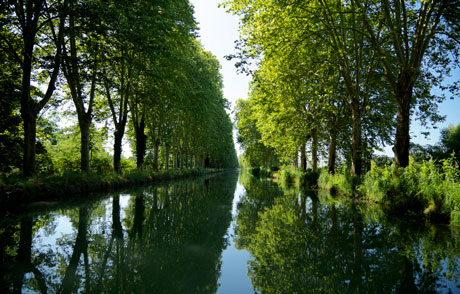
(123, 64)
(350, 71)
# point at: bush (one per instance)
(427, 187)
(287, 176)
(338, 183)
(307, 179)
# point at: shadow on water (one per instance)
(304, 243)
(159, 239)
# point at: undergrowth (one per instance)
(428, 187)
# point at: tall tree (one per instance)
(82, 67)
(24, 26)
(412, 41)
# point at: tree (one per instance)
(412, 42)
(323, 40)
(249, 137)
(24, 27)
(450, 141)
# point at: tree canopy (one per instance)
(134, 68)
(349, 71)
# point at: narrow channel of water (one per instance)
(223, 234)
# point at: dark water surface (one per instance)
(223, 234)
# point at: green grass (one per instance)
(56, 187)
(428, 188)
(288, 177)
(340, 183)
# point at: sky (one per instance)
(218, 30)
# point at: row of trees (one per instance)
(137, 64)
(342, 74)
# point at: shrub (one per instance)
(338, 183)
(427, 186)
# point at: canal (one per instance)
(228, 233)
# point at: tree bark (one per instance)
(403, 97)
(141, 140)
(332, 152)
(186, 163)
(356, 160)
(303, 157)
(296, 159)
(85, 124)
(117, 149)
(167, 156)
(175, 159)
(314, 150)
(30, 130)
(155, 154)
(181, 158)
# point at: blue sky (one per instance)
(219, 30)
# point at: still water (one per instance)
(223, 234)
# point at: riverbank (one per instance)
(428, 189)
(77, 184)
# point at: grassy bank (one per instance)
(427, 189)
(77, 184)
(288, 176)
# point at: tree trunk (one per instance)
(314, 150)
(186, 159)
(296, 160)
(167, 157)
(84, 123)
(155, 154)
(141, 140)
(403, 97)
(30, 130)
(332, 152)
(28, 113)
(117, 150)
(356, 160)
(303, 157)
(181, 158)
(175, 159)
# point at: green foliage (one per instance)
(64, 150)
(450, 141)
(295, 239)
(11, 138)
(338, 183)
(421, 187)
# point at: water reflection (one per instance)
(163, 239)
(301, 243)
(170, 239)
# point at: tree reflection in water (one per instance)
(162, 239)
(302, 243)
